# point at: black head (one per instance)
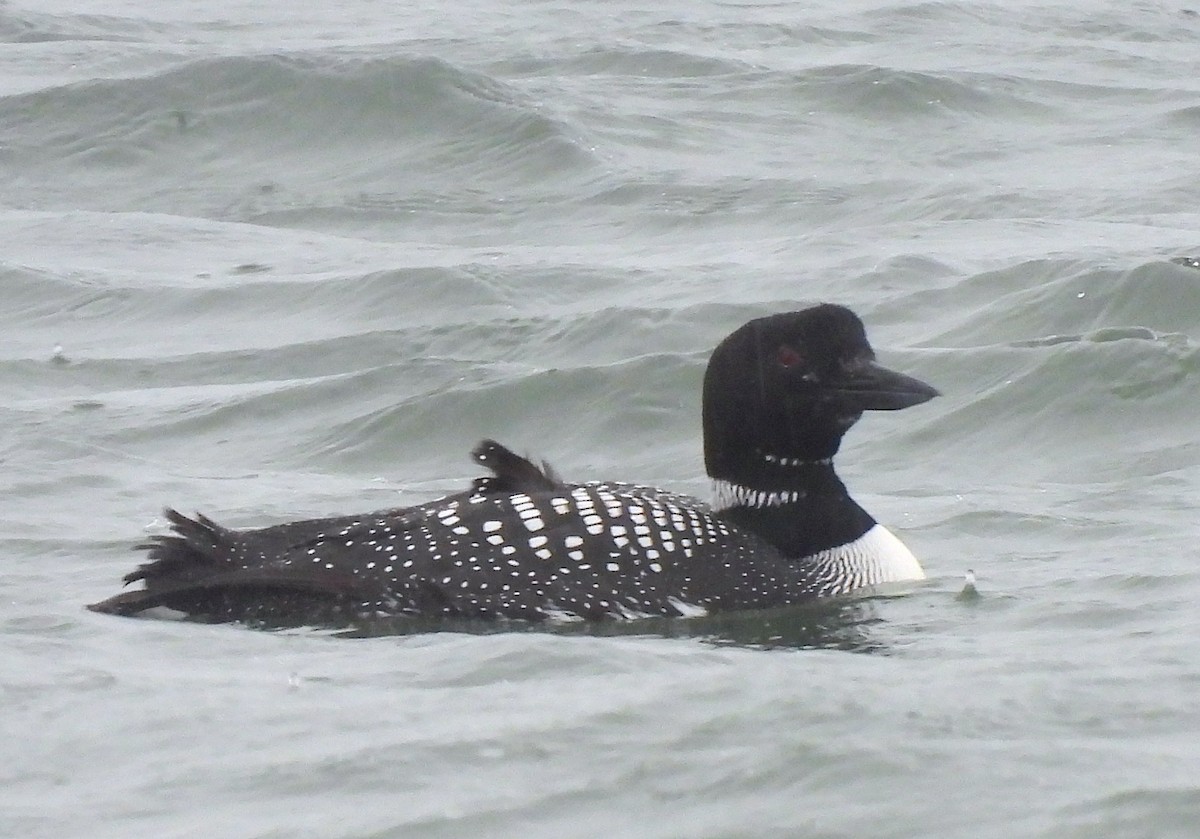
(790, 385)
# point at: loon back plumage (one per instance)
(779, 393)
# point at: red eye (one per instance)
(788, 357)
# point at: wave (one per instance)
(28, 27)
(1055, 296)
(270, 126)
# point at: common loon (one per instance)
(779, 394)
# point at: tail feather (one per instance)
(204, 568)
(216, 573)
(207, 571)
(197, 548)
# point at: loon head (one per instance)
(787, 387)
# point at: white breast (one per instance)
(872, 559)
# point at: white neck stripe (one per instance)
(727, 494)
(795, 461)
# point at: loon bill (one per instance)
(779, 394)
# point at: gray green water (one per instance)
(282, 263)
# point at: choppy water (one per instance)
(273, 262)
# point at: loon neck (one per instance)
(800, 507)
(766, 479)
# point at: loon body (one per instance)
(779, 394)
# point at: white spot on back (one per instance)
(687, 610)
